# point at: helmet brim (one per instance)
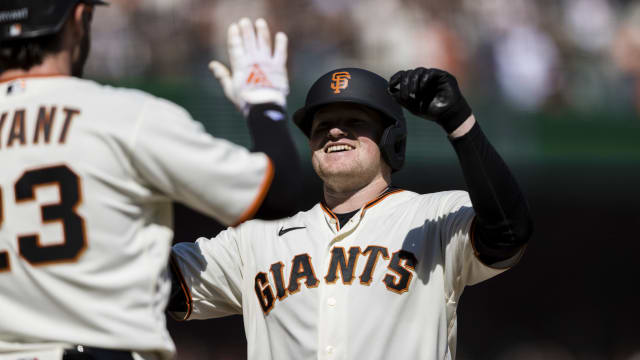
(303, 117)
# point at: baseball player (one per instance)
(89, 173)
(372, 271)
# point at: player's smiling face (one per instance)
(344, 143)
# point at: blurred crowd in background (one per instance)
(531, 54)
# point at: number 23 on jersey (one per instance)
(64, 211)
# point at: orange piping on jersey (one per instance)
(264, 188)
(368, 205)
(380, 198)
(26, 76)
(183, 285)
(330, 213)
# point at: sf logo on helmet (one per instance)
(340, 81)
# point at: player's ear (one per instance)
(82, 15)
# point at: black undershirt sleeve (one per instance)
(503, 224)
(270, 134)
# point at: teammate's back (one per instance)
(82, 213)
(89, 176)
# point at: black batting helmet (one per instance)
(26, 19)
(359, 86)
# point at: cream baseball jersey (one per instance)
(88, 177)
(384, 286)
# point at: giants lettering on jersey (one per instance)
(342, 265)
(14, 131)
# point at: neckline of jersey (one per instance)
(389, 191)
(32, 76)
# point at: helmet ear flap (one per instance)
(392, 145)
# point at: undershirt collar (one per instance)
(343, 218)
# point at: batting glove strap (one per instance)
(455, 115)
(263, 96)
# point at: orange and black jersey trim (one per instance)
(341, 219)
(31, 76)
(180, 301)
(389, 191)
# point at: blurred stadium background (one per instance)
(554, 83)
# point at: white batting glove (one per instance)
(257, 76)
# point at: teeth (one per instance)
(335, 148)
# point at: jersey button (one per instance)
(331, 301)
(330, 349)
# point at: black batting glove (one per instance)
(432, 94)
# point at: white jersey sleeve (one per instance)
(212, 271)
(175, 155)
(462, 266)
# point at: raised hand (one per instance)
(257, 74)
(432, 94)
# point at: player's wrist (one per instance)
(262, 96)
(271, 110)
(464, 128)
(452, 118)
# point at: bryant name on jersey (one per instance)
(50, 124)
